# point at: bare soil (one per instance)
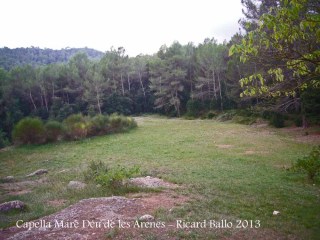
(97, 218)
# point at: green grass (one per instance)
(231, 171)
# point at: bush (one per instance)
(3, 139)
(310, 164)
(98, 125)
(115, 177)
(194, 107)
(226, 116)
(211, 115)
(277, 120)
(119, 123)
(244, 120)
(109, 177)
(298, 121)
(95, 169)
(54, 131)
(76, 127)
(29, 131)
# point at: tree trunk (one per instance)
(53, 90)
(176, 104)
(214, 85)
(129, 84)
(98, 100)
(122, 85)
(220, 92)
(304, 117)
(32, 101)
(141, 83)
(46, 102)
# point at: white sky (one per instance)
(140, 26)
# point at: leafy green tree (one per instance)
(171, 73)
(94, 86)
(211, 65)
(289, 36)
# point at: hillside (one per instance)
(37, 56)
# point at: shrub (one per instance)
(211, 115)
(298, 121)
(277, 120)
(226, 116)
(98, 125)
(29, 131)
(310, 163)
(95, 169)
(119, 123)
(115, 177)
(194, 107)
(109, 177)
(54, 131)
(267, 114)
(3, 139)
(76, 127)
(244, 119)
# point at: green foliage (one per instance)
(194, 108)
(310, 99)
(115, 177)
(244, 120)
(290, 32)
(267, 114)
(277, 120)
(3, 139)
(95, 169)
(29, 131)
(298, 121)
(211, 114)
(76, 127)
(10, 58)
(309, 164)
(98, 125)
(54, 131)
(226, 116)
(119, 123)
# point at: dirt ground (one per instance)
(98, 218)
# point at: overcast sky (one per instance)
(140, 26)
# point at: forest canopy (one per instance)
(273, 65)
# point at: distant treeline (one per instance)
(190, 80)
(34, 56)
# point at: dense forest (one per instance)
(34, 56)
(276, 60)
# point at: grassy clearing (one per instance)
(235, 172)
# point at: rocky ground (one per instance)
(98, 218)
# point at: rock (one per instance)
(146, 218)
(9, 178)
(76, 185)
(150, 182)
(38, 172)
(276, 212)
(16, 204)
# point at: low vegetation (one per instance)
(229, 171)
(29, 131)
(76, 126)
(115, 177)
(310, 164)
